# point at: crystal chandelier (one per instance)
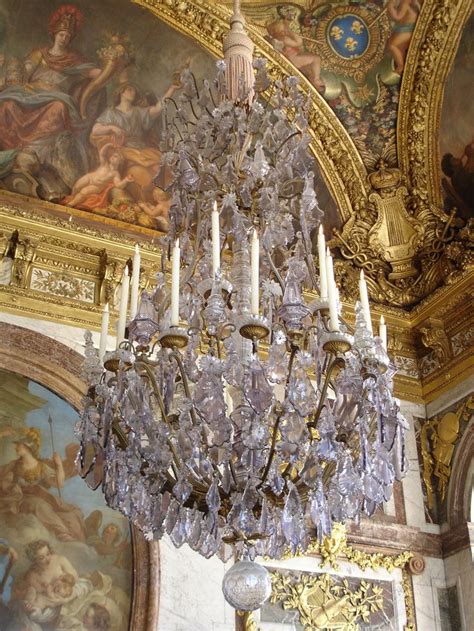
(240, 414)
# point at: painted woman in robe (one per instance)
(24, 489)
(40, 100)
(127, 126)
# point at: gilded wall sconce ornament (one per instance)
(438, 438)
(396, 235)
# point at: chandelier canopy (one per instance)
(241, 415)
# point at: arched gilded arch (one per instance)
(59, 368)
(430, 57)
(335, 152)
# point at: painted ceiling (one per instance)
(80, 115)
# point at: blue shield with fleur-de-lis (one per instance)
(348, 35)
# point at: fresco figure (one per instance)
(91, 190)
(405, 14)
(50, 582)
(24, 485)
(65, 557)
(459, 188)
(126, 125)
(291, 44)
(40, 102)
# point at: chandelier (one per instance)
(240, 414)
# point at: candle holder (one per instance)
(205, 287)
(255, 328)
(174, 337)
(321, 305)
(337, 343)
(121, 357)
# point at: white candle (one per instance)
(104, 331)
(323, 282)
(383, 332)
(331, 284)
(175, 284)
(123, 307)
(254, 268)
(228, 400)
(216, 241)
(135, 283)
(364, 300)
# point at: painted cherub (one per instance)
(107, 175)
(157, 212)
(59, 592)
(405, 14)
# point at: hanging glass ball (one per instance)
(247, 585)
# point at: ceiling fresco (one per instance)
(456, 135)
(353, 53)
(81, 101)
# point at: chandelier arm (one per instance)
(177, 357)
(294, 350)
(337, 362)
(275, 271)
(271, 453)
(295, 133)
(179, 132)
(197, 93)
(161, 405)
(177, 463)
(156, 392)
(233, 473)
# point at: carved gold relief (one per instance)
(396, 235)
(433, 336)
(325, 602)
(438, 437)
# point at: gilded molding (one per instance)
(298, 593)
(430, 57)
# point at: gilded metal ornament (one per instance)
(438, 438)
(324, 601)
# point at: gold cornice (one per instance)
(74, 248)
(430, 57)
(447, 377)
(444, 299)
(332, 146)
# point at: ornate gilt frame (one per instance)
(58, 368)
